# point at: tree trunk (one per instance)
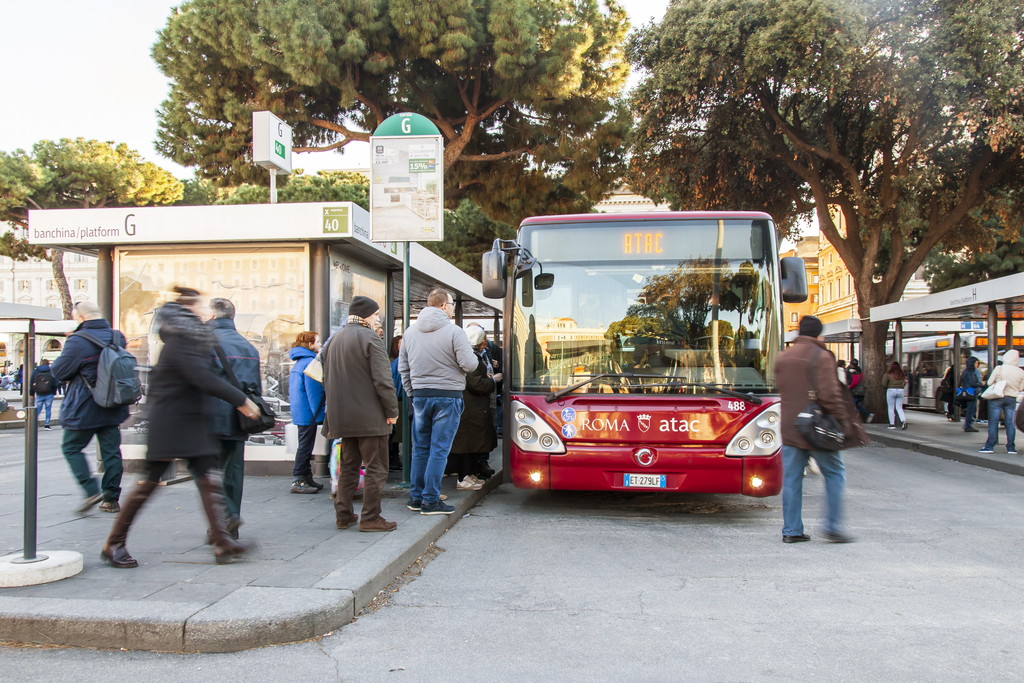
(57, 261)
(873, 365)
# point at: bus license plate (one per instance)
(648, 481)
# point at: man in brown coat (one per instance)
(361, 407)
(804, 363)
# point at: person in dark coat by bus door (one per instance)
(83, 418)
(807, 361)
(476, 437)
(181, 425)
(361, 408)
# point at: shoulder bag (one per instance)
(995, 390)
(248, 425)
(822, 431)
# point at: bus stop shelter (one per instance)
(999, 302)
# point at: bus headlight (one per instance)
(760, 436)
(531, 433)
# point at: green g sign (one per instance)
(336, 220)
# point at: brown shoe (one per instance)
(379, 524)
(345, 522)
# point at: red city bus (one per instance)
(639, 351)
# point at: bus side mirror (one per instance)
(794, 280)
(544, 281)
(492, 274)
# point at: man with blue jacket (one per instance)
(244, 360)
(83, 418)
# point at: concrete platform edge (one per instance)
(249, 617)
(942, 451)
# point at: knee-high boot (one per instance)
(114, 551)
(224, 547)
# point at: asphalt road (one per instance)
(585, 586)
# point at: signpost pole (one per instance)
(31, 453)
(406, 205)
(406, 401)
(273, 186)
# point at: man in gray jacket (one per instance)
(434, 360)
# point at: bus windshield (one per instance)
(647, 307)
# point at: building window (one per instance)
(793, 317)
(24, 285)
(81, 284)
(51, 285)
(814, 298)
(815, 279)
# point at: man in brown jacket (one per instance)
(361, 407)
(807, 361)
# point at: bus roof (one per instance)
(644, 216)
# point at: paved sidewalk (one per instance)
(306, 579)
(932, 434)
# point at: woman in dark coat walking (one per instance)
(181, 424)
(476, 437)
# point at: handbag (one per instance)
(994, 391)
(248, 425)
(315, 370)
(964, 395)
(822, 431)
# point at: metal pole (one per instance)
(897, 343)
(993, 339)
(31, 453)
(406, 401)
(273, 186)
(956, 372)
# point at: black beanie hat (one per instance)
(363, 306)
(810, 326)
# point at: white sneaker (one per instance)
(469, 484)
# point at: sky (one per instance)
(83, 69)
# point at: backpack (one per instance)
(117, 383)
(42, 383)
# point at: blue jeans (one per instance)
(969, 411)
(1006, 406)
(794, 460)
(44, 402)
(109, 440)
(435, 420)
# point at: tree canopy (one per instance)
(905, 114)
(521, 90)
(75, 173)
(324, 186)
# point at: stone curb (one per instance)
(249, 617)
(940, 450)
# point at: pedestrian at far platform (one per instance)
(970, 378)
(858, 389)
(361, 409)
(946, 394)
(842, 373)
(244, 361)
(476, 437)
(1010, 372)
(895, 383)
(434, 360)
(83, 418)
(805, 363)
(307, 405)
(43, 387)
(181, 425)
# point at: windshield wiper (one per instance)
(751, 398)
(551, 398)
